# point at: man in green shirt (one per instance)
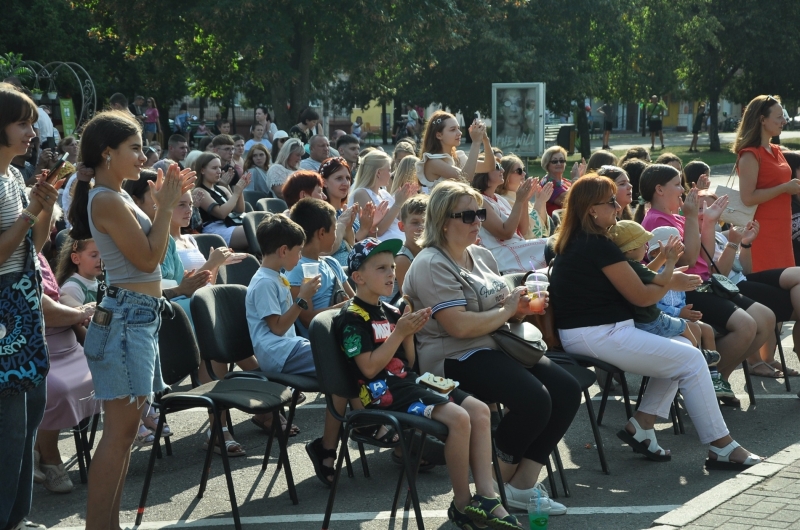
(655, 112)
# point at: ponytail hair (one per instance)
(106, 130)
(65, 267)
(653, 176)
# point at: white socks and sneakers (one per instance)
(518, 498)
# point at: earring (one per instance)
(108, 161)
(595, 217)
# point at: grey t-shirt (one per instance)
(432, 281)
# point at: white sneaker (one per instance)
(38, 476)
(519, 498)
(28, 525)
(56, 479)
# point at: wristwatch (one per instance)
(302, 303)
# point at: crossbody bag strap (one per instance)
(463, 274)
(711, 258)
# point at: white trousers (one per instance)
(670, 363)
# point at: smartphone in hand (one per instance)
(52, 176)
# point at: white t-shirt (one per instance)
(71, 294)
(45, 127)
(277, 175)
(250, 143)
(309, 164)
(393, 232)
(515, 254)
(10, 209)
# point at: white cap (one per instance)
(662, 234)
(280, 134)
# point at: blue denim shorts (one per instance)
(123, 356)
(664, 326)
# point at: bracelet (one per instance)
(734, 246)
(746, 246)
(29, 217)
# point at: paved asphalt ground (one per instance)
(635, 493)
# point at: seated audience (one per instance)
(503, 225)
(470, 300)
(554, 162)
(257, 164)
(221, 207)
(385, 361)
(593, 290)
(514, 175)
(285, 164)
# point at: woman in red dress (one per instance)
(765, 180)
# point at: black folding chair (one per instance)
(250, 222)
(272, 205)
(238, 273)
(778, 330)
(253, 396)
(253, 197)
(586, 379)
(333, 373)
(205, 242)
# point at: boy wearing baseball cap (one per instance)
(632, 239)
(379, 342)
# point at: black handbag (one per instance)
(523, 342)
(720, 284)
(24, 361)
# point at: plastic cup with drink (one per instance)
(537, 285)
(310, 271)
(538, 512)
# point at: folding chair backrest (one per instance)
(220, 321)
(272, 205)
(250, 222)
(205, 242)
(61, 236)
(239, 273)
(253, 197)
(333, 369)
(177, 346)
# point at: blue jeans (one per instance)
(20, 416)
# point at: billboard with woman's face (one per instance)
(518, 118)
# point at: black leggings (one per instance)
(543, 401)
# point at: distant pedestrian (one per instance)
(655, 114)
(698, 125)
(609, 113)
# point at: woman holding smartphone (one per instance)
(24, 228)
(121, 344)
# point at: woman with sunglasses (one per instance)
(766, 181)
(461, 282)
(593, 288)
(554, 161)
(152, 157)
(514, 175)
(502, 231)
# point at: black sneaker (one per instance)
(712, 357)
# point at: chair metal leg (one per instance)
(220, 436)
(167, 443)
(276, 430)
(642, 388)
(498, 474)
(560, 467)
(411, 465)
(149, 475)
(337, 472)
(551, 479)
(625, 394)
(95, 421)
(604, 400)
(207, 463)
(283, 444)
(748, 383)
(79, 452)
(229, 422)
(596, 431)
(778, 329)
(364, 463)
(678, 414)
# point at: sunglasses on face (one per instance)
(558, 161)
(520, 171)
(498, 167)
(468, 216)
(612, 202)
(148, 151)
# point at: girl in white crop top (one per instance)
(125, 372)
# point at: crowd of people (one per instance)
(430, 228)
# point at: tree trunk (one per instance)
(202, 111)
(282, 115)
(383, 124)
(713, 130)
(300, 92)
